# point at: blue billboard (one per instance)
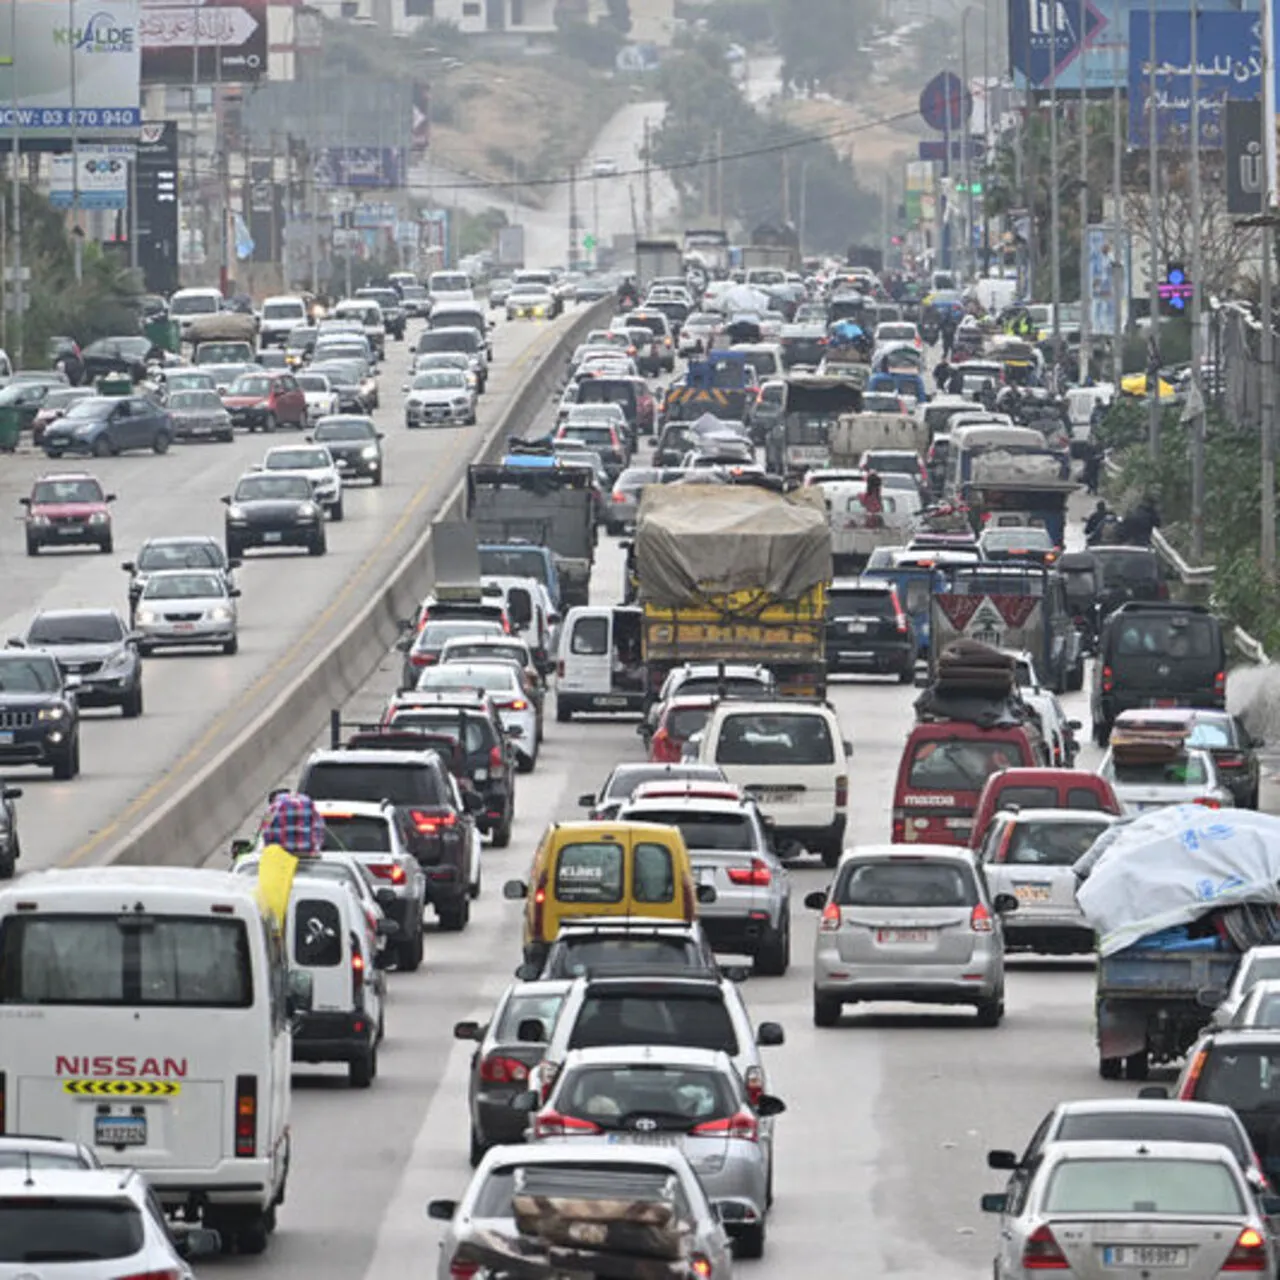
(1228, 61)
(1059, 41)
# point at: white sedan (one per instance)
(440, 396)
(322, 397)
(316, 463)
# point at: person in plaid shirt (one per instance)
(293, 823)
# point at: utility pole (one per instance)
(595, 221)
(573, 215)
(786, 188)
(1153, 234)
(648, 185)
(885, 197)
(17, 294)
(1086, 281)
(804, 205)
(77, 232)
(1119, 280)
(720, 178)
(1055, 202)
(1268, 539)
(966, 143)
(986, 139)
(1197, 389)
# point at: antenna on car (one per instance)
(28, 1181)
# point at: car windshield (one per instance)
(356, 833)
(92, 409)
(343, 373)
(1148, 1124)
(16, 1157)
(313, 382)
(655, 1016)
(437, 380)
(184, 586)
(584, 434)
(1245, 1078)
(459, 651)
(1186, 771)
(55, 1232)
(1142, 1185)
(1258, 968)
(444, 722)
(1023, 538)
(1121, 568)
(264, 488)
(667, 1097)
(774, 738)
(960, 764)
(28, 675)
(681, 723)
(373, 783)
(918, 882)
(346, 429)
(61, 397)
(75, 628)
(248, 385)
(297, 459)
(706, 830)
(1051, 844)
(194, 401)
(180, 555)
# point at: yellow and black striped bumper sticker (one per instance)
(122, 1088)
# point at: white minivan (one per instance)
(279, 317)
(789, 756)
(146, 1014)
(600, 666)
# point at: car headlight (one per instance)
(369, 451)
(235, 513)
(86, 428)
(40, 520)
(461, 402)
(52, 713)
(147, 616)
(308, 511)
(98, 517)
(220, 613)
(117, 661)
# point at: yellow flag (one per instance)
(275, 881)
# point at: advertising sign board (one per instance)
(214, 40)
(103, 178)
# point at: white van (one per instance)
(327, 939)
(600, 667)
(190, 304)
(147, 1015)
(279, 317)
(372, 323)
(531, 613)
(789, 756)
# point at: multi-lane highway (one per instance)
(291, 606)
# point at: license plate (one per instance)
(184, 626)
(1164, 702)
(119, 1131)
(201, 431)
(6, 737)
(766, 796)
(905, 937)
(272, 537)
(602, 701)
(1145, 1255)
(1031, 892)
(705, 873)
(343, 464)
(643, 1139)
(70, 530)
(858, 628)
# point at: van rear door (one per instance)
(1166, 658)
(586, 662)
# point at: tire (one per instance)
(317, 548)
(1075, 678)
(1111, 1068)
(361, 1070)
(409, 954)
(269, 423)
(990, 1012)
(474, 889)
(563, 714)
(33, 547)
(377, 479)
(477, 1149)
(907, 675)
(102, 447)
(108, 546)
(234, 550)
(229, 438)
(1101, 733)
(453, 916)
(748, 1242)
(161, 442)
(1252, 802)
(8, 865)
(67, 765)
(831, 855)
(502, 833)
(1137, 1066)
(131, 707)
(232, 646)
(774, 954)
(339, 512)
(826, 1011)
(526, 764)
(251, 1236)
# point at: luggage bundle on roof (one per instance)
(973, 683)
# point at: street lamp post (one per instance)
(16, 295)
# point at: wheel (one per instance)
(338, 512)
(474, 888)
(108, 546)
(563, 713)
(1101, 733)
(1110, 1068)
(318, 547)
(33, 547)
(826, 1011)
(990, 1012)
(232, 645)
(227, 438)
(269, 423)
(409, 954)
(1075, 678)
(453, 916)
(234, 550)
(1252, 802)
(907, 675)
(1137, 1065)
(361, 1070)
(377, 479)
(525, 764)
(748, 1242)
(161, 442)
(252, 1235)
(131, 707)
(478, 1148)
(774, 953)
(102, 447)
(66, 766)
(502, 833)
(831, 855)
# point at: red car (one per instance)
(68, 509)
(678, 720)
(265, 400)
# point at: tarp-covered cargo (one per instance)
(696, 541)
(855, 433)
(1007, 466)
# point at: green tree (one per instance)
(619, 15)
(819, 42)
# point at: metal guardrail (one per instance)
(1202, 575)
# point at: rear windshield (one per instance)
(590, 873)
(399, 783)
(65, 1230)
(646, 1181)
(729, 687)
(731, 831)
(669, 1098)
(317, 941)
(775, 738)
(467, 340)
(1171, 636)
(478, 733)
(603, 391)
(545, 1006)
(1051, 844)
(915, 883)
(960, 764)
(1145, 1125)
(682, 723)
(691, 1020)
(357, 833)
(1242, 1077)
(1186, 771)
(1120, 567)
(861, 604)
(1142, 1185)
(573, 956)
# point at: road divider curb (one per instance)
(233, 781)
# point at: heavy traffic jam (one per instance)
(786, 802)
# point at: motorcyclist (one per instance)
(1097, 520)
(628, 294)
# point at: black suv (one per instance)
(10, 849)
(417, 783)
(869, 631)
(1157, 655)
(490, 755)
(39, 717)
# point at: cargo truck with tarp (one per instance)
(856, 433)
(815, 403)
(734, 573)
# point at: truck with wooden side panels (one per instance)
(1021, 607)
(734, 573)
(815, 403)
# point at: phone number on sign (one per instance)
(85, 118)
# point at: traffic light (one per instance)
(1175, 290)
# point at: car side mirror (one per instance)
(1004, 903)
(1256, 741)
(525, 1102)
(385, 898)
(734, 972)
(235, 593)
(404, 644)
(848, 747)
(10, 793)
(240, 846)
(111, 497)
(1154, 1092)
(1210, 997)
(994, 1202)
(706, 894)
(380, 435)
(442, 1210)
(817, 900)
(468, 1031)
(528, 972)
(24, 502)
(586, 800)
(769, 1035)
(14, 642)
(225, 499)
(1002, 1160)
(300, 993)
(129, 566)
(194, 1243)
(514, 731)
(531, 1031)
(768, 1106)
(515, 890)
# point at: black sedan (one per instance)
(126, 354)
(355, 445)
(273, 509)
(10, 849)
(344, 377)
(1235, 753)
(97, 647)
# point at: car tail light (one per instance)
(462, 1270)
(830, 921)
(1041, 1252)
(1108, 679)
(518, 705)
(357, 974)
(3, 1091)
(900, 618)
(663, 748)
(170, 1273)
(980, 918)
(842, 791)
(428, 824)
(753, 1081)
(700, 1266)
(1249, 1253)
(246, 1116)
(1207, 802)
(539, 906)
(617, 496)
(1231, 761)
(560, 669)
(495, 1069)
(899, 831)
(757, 874)
(1195, 1068)
(421, 659)
(743, 1125)
(1220, 683)
(495, 758)
(392, 871)
(551, 1124)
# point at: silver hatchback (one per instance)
(916, 926)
